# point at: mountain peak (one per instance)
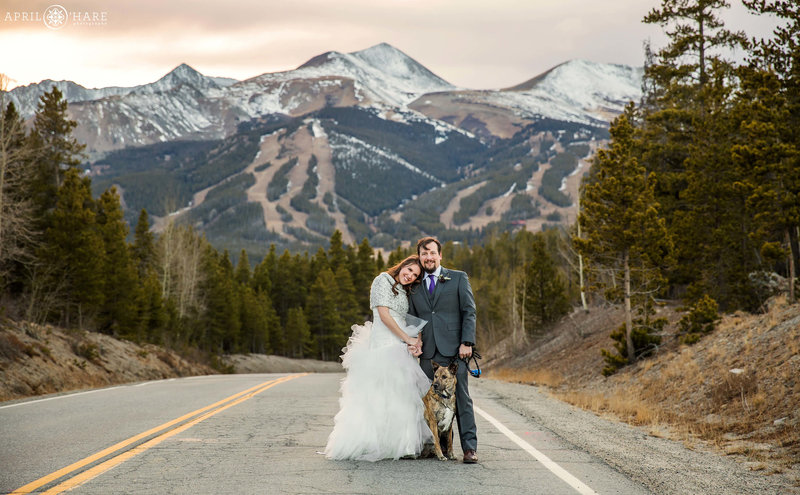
(182, 74)
(396, 63)
(184, 70)
(381, 49)
(319, 60)
(385, 73)
(585, 75)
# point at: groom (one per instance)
(445, 300)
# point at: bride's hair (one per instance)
(395, 271)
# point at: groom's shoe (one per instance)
(470, 457)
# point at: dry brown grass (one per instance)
(36, 360)
(689, 392)
(544, 377)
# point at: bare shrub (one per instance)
(11, 348)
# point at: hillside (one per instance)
(38, 360)
(735, 392)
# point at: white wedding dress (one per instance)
(380, 410)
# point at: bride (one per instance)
(381, 410)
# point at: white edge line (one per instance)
(546, 461)
(59, 397)
(150, 382)
(87, 392)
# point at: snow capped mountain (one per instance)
(381, 128)
(185, 104)
(381, 75)
(147, 116)
(576, 91)
(383, 70)
(27, 97)
(182, 74)
(600, 91)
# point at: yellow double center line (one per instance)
(121, 454)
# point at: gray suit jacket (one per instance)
(450, 313)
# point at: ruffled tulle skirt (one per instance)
(380, 409)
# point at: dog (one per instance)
(440, 409)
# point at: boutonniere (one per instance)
(442, 279)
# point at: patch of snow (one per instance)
(351, 144)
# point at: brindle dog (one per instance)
(440, 409)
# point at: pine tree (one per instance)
(397, 256)
(772, 162)
(255, 320)
(336, 254)
(687, 83)
(153, 314)
(74, 247)
(322, 315)
(221, 327)
(56, 150)
(152, 311)
(298, 334)
(320, 261)
(273, 325)
(347, 307)
(17, 236)
(772, 87)
(545, 298)
(712, 230)
(380, 265)
(120, 281)
(623, 233)
(697, 34)
(284, 290)
(366, 272)
(242, 274)
(143, 251)
(262, 274)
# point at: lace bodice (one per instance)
(381, 295)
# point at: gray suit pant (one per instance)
(465, 416)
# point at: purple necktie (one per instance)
(432, 284)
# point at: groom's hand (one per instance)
(464, 351)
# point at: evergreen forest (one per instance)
(695, 198)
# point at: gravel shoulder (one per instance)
(664, 466)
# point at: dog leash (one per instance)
(475, 372)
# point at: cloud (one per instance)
(471, 43)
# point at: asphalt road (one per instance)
(263, 434)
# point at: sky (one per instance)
(477, 44)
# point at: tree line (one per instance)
(697, 197)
